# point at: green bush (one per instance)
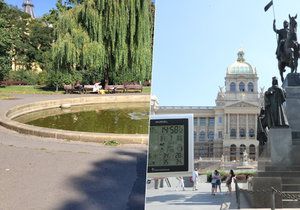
(59, 78)
(27, 76)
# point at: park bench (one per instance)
(133, 87)
(88, 88)
(115, 88)
(72, 89)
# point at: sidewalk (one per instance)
(170, 198)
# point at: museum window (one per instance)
(220, 120)
(252, 152)
(242, 133)
(250, 87)
(195, 121)
(242, 149)
(210, 135)
(242, 87)
(202, 121)
(251, 133)
(232, 87)
(232, 152)
(220, 135)
(202, 136)
(232, 133)
(211, 121)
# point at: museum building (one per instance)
(229, 127)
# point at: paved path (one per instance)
(173, 198)
(42, 173)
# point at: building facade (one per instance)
(229, 128)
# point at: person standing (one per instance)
(181, 183)
(215, 182)
(229, 180)
(195, 178)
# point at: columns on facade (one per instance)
(237, 126)
(228, 128)
(255, 127)
(247, 126)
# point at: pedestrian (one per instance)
(215, 182)
(181, 182)
(229, 180)
(195, 179)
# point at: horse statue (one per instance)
(289, 51)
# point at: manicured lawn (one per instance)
(28, 89)
(147, 89)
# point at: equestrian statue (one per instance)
(287, 51)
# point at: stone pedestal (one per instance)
(292, 87)
(283, 170)
(280, 145)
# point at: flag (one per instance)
(268, 5)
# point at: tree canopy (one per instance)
(110, 39)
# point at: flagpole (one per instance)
(274, 17)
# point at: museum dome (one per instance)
(240, 66)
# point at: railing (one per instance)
(273, 192)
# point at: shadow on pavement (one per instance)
(113, 184)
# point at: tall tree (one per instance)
(109, 39)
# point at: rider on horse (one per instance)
(282, 36)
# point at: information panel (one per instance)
(170, 145)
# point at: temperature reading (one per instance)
(166, 146)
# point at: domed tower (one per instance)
(238, 104)
(28, 7)
(240, 82)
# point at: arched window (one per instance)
(252, 151)
(242, 86)
(232, 133)
(232, 87)
(232, 152)
(251, 133)
(242, 149)
(202, 136)
(250, 87)
(211, 135)
(242, 133)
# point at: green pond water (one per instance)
(123, 119)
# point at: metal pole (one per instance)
(273, 199)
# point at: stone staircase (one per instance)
(290, 175)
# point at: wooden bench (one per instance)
(88, 88)
(72, 89)
(115, 88)
(134, 87)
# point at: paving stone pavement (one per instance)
(43, 173)
(170, 198)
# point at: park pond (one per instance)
(123, 118)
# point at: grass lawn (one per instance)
(30, 89)
(147, 89)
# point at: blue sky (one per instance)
(40, 6)
(195, 41)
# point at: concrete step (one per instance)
(295, 135)
(290, 204)
(291, 187)
(283, 168)
(285, 174)
(291, 180)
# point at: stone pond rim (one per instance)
(7, 121)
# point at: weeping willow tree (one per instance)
(105, 39)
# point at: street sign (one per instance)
(171, 145)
